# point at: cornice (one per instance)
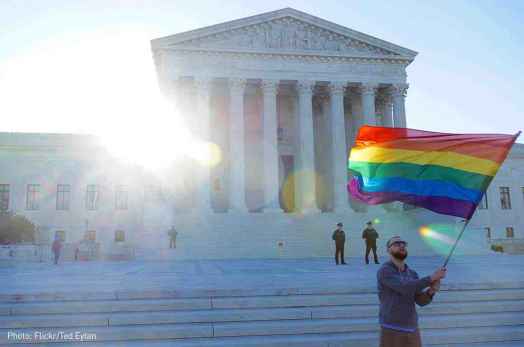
(325, 57)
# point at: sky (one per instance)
(86, 66)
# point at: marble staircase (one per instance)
(459, 317)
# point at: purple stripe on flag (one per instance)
(439, 204)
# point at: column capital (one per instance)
(237, 85)
(317, 104)
(399, 89)
(368, 88)
(384, 98)
(337, 87)
(322, 97)
(305, 86)
(269, 87)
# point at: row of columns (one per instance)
(394, 115)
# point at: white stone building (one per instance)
(282, 95)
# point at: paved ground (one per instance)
(263, 276)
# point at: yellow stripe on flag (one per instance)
(375, 154)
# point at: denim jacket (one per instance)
(398, 292)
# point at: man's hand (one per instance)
(438, 275)
(435, 287)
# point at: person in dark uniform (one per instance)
(370, 235)
(339, 236)
(172, 237)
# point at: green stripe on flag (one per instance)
(465, 179)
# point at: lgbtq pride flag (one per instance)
(445, 173)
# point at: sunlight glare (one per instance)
(101, 83)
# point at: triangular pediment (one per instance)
(285, 30)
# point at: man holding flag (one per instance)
(399, 288)
(445, 173)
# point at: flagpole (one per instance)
(456, 242)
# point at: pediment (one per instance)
(287, 31)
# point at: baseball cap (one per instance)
(339, 224)
(394, 239)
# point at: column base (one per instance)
(310, 210)
(203, 210)
(237, 210)
(274, 210)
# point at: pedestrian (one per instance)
(339, 236)
(399, 289)
(172, 237)
(56, 248)
(370, 235)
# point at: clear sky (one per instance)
(86, 66)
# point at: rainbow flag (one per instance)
(445, 173)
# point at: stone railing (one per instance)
(43, 253)
(19, 252)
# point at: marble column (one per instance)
(357, 119)
(182, 95)
(326, 166)
(398, 92)
(306, 173)
(237, 165)
(271, 158)
(338, 146)
(368, 91)
(203, 96)
(388, 111)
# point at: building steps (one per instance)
(457, 316)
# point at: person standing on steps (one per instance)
(370, 235)
(399, 289)
(339, 236)
(172, 237)
(56, 247)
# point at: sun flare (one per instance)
(101, 83)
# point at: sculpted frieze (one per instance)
(285, 34)
(235, 65)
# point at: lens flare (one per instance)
(440, 237)
(316, 189)
(205, 153)
(425, 231)
(322, 191)
(306, 180)
(287, 194)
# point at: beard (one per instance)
(400, 255)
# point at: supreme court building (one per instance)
(282, 92)
(282, 96)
